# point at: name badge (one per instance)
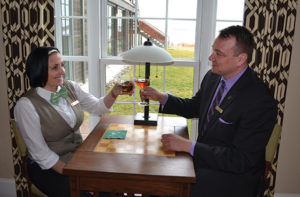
(75, 103)
(219, 109)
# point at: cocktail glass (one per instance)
(142, 83)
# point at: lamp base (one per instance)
(140, 120)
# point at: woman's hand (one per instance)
(153, 94)
(111, 97)
(117, 90)
(58, 166)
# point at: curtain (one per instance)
(26, 24)
(273, 24)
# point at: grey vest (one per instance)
(59, 136)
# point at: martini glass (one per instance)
(142, 83)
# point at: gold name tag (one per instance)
(219, 109)
(75, 103)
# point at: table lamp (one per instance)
(147, 54)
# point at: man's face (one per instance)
(225, 61)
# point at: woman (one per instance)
(49, 117)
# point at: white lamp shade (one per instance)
(150, 54)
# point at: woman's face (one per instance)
(56, 72)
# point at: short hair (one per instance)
(37, 65)
(244, 39)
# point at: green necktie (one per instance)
(61, 93)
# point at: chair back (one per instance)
(19, 139)
(33, 190)
(271, 150)
(269, 157)
(273, 143)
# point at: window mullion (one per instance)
(103, 25)
(135, 23)
(93, 48)
(58, 25)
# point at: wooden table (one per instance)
(130, 173)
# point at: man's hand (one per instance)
(176, 143)
(152, 94)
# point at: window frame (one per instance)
(97, 59)
(202, 46)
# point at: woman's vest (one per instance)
(59, 136)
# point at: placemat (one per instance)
(115, 134)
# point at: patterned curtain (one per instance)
(273, 24)
(26, 24)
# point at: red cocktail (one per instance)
(142, 83)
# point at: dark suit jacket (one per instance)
(229, 158)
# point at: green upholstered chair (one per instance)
(272, 147)
(269, 157)
(33, 190)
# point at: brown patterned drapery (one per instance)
(26, 24)
(273, 24)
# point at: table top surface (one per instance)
(88, 162)
(134, 139)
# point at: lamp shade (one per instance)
(150, 54)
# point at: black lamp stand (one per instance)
(146, 118)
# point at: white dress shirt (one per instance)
(28, 121)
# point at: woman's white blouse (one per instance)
(28, 121)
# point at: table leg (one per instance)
(74, 189)
(185, 190)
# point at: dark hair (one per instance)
(37, 66)
(244, 39)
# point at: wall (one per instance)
(7, 182)
(288, 171)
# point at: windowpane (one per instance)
(73, 7)
(181, 42)
(78, 72)
(182, 9)
(230, 10)
(153, 29)
(114, 74)
(223, 24)
(229, 13)
(74, 37)
(153, 8)
(120, 36)
(180, 81)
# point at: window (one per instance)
(71, 39)
(93, 34)
(229, 12)
(171, 26)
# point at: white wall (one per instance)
(288, 171)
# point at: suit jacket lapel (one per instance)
(211, 88)
(235, 89)
(229, 98)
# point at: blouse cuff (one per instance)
(103, 108)
(49, 162)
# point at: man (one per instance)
(236, 116)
